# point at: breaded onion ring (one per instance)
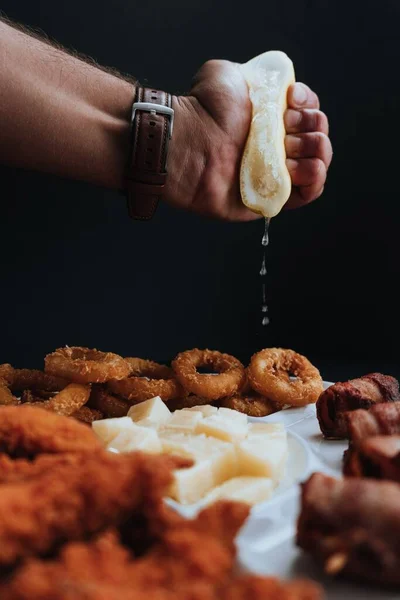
(230, 373)
(147, 379)
(85, 365)
(87, 415)
(32, 379)
(252, 405)
(187, 402)
(111, 406)
(68, 401)
(269, 374)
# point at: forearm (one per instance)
(59, 114)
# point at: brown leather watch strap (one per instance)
(146, 171)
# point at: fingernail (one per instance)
(299, 93)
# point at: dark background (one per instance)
(75, 270)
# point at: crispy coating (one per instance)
(68, 401)
(192, 559)
(86, 365)
(269, 374)
(6, 397)
(87, 415)
(41, 513)
(229, 379)
(111, 406)
(21, 469)
(32, 379)
(253, 405)
(147, 379)
(26, 431)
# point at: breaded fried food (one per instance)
(26, 431)
(21, 469)
(252, 405)
(193, 559)
(78, 500)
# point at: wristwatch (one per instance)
(151, 129)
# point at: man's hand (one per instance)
(212, 124)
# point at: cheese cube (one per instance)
(140, 438)
(176, 443)
(206, 410)
(230, 430)
(108, 429)
(267, 429)
(154, 409)
(262, 457)
(192, 484)
(182, 421)
(250, 490)
(233, 415)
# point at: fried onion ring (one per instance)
(87, 415)
(253, 405)
(147, 379)
(269, 374)
(68, 401)
(85, 365)
(6, 372)
(32, 379)
(229, 378)
(106, 403)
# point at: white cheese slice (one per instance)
(251, 490)
(206, 410)
(154, 409)
(220, 427)
(259, 457)
(140, 438)
(108, 429)
(182, 421)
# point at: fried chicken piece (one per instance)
(352, 526)
(78, 500)
(193, 560)
(21, 469)
(26, 431)
(364, 392)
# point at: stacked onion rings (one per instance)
(146, 380)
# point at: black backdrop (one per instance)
(75, 270)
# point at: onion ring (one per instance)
(253, 405)
(68, 401)
(229, 378)
(269, 374)
(87, 415)
(32, 379)
(147, 380)
(85, 365)
(106, 403)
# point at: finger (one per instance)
(303, 195)
(309, 145)
(300, 96)
(307, 171)
(307, 119)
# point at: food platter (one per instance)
(266, 544)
